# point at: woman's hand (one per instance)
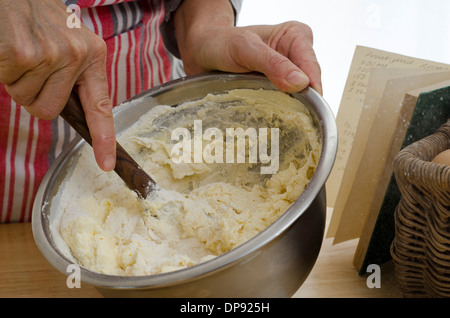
(208, 40)
(42, 60)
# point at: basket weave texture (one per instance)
(421, 246)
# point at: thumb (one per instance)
(94, 96)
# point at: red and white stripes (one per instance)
(137, 60)
(24, 156)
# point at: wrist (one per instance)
(196, 23)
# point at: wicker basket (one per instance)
(421, 246)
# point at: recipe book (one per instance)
(376, 109)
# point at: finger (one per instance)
(93, 92)
(313, 71)
(53, 95)
(255, 55)
(18, 58)
(307, 61)
(296, 42)
(11, 72)
(25, 90)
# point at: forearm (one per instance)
(196, 20)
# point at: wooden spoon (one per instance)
(131, 173)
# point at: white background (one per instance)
(417, 28)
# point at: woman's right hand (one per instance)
(42, 60)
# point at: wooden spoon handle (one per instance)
(127, 169)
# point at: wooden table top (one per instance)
(25, 273)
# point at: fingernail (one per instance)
(109, 163)
(297, 79)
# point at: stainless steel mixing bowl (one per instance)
(274, 263)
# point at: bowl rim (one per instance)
(328, 129)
